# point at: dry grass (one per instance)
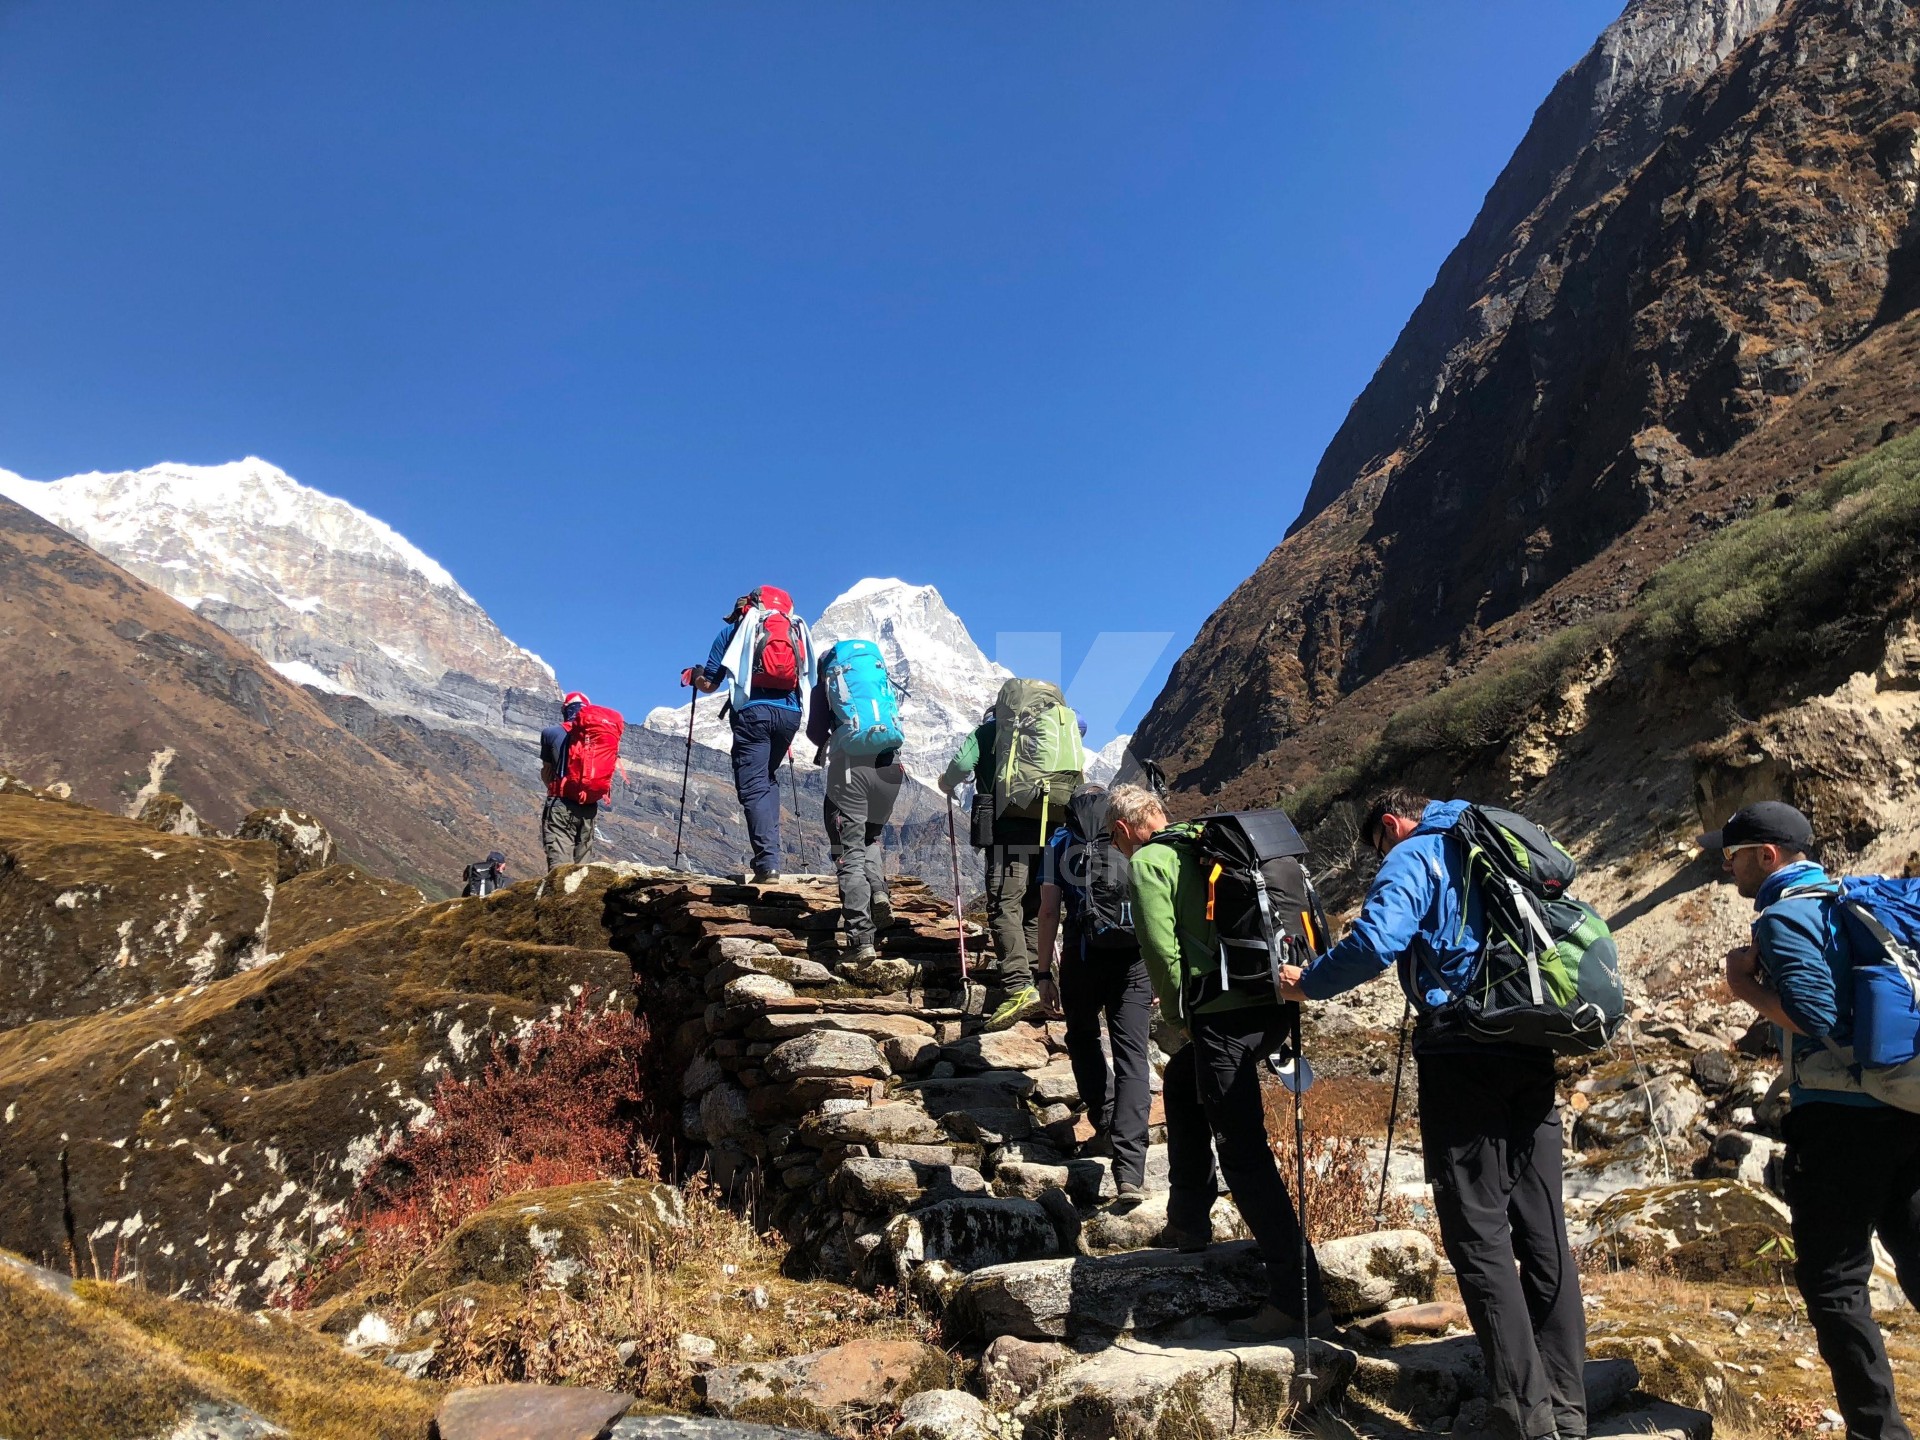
(302, 1381)
(1343, 1183)
(116, 1362)
(718, 1277)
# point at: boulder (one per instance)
(303, 842)
(910, 1054)
(896, 1123)
(547, 1237)
(1089, 1296)
(529, 1412)
(749, 988)
(1054, 1084)
(724, 1115)
(1706, 1229)
(1656, 1421)
(1027, 1181)
(1013, 1049)
(1012, 1369)
(825, 1054)
(170, 815)
(1411, 1322)
(972, 1231)
(1367, 1273)
(1203, 1388)
(875, 1186)
(1143, 1225)
(1667, 1105)
(96, 911)
(825, 1387)
(945, 1415)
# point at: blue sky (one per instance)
(617, 309)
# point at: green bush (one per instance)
(1797, 581)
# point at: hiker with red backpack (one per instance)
(577, 762)
(764, 654)
(1832, 964)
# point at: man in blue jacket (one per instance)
(764, 723)
(1853, 1164)
(1489, 1123)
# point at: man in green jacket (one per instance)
(1014, 845)
(1212, 1083)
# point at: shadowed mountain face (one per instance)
(1710, 214)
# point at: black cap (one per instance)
(1770, 822)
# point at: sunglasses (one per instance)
(1727, 852)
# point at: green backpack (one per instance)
(1037, 757)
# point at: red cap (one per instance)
(574, 697)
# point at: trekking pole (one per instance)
(1393, 1114)
(1301, 1081)
(959, 915)
(680, 830)
(793, 784)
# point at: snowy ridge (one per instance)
(119, 509)
(330, 596)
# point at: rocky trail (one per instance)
(865, 1211)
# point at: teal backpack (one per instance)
(866, 714)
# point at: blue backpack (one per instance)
(866, 716)
(1877, 920)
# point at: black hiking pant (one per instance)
(860, 799)
(1853, 1171)
(762, 735)
(1491, 1131)
(1113, 984)
(1212, 1090)
(566, 831)
(1013, 899)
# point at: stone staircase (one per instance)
(868, 1115)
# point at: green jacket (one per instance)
(975, 757)
(1178, 941)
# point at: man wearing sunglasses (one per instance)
(1489, 1119)
(1853, 1164)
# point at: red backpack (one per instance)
(776, 658)
(593, 749)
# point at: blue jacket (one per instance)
(1418, 914)
(1807, 964)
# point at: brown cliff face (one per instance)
(1617, 338)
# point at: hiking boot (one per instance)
(1017, 1007)
(1270, 1323)
(1187, 1242)
(881, 911)
(763, 877)
(1130, 1195)
(863, 955)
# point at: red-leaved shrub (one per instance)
(571, 1100)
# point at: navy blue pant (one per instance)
(762, 735)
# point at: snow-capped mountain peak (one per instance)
(327, 593)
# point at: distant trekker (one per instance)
(483, 877)
(765, 655)
(853, 720)
(578, 758)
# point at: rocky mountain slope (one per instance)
(1688, 294)
(120, 692)
(325, 593)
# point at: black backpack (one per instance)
(480, 878)
(1095, 877)
(1260, 899)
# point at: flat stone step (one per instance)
(1102, 1296)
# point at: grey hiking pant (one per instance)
(860, 799)
(1013, 899)
(1113, 984)
(566, 831)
